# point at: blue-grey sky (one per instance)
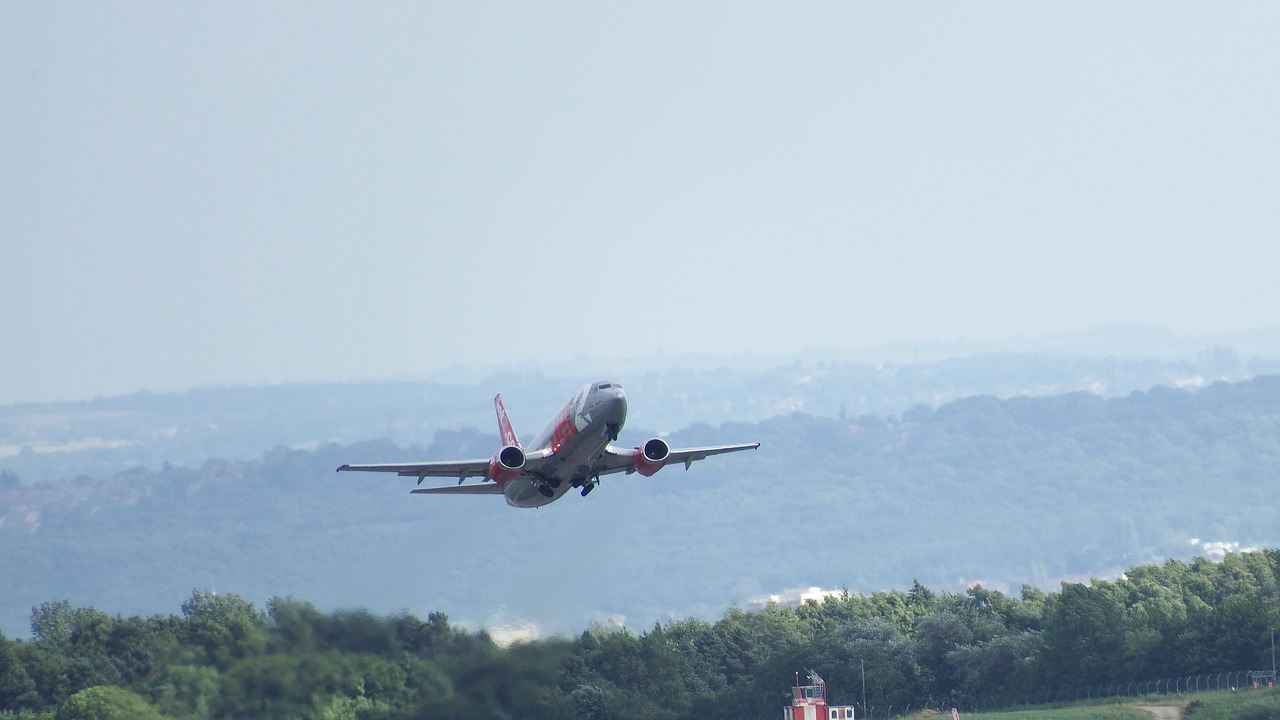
(213, 193)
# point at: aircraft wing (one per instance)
(460, 469)
(619, 459)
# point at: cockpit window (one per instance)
(606, 386)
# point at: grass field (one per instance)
(1072, 712)
(1241, 705)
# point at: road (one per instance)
(1162, 712)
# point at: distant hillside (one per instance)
(981, 489)
(53, 441)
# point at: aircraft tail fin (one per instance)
(504, 424)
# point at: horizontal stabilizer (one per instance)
(485, 489)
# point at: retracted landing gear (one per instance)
(547, 485)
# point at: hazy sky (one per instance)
(210, 193)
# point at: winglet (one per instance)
(504, 424)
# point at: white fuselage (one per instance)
(576, 439)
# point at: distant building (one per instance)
(793, 597)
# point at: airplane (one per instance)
(572, 451)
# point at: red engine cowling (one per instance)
(651, 456)
(506, 464)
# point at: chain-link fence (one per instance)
(1184, 685)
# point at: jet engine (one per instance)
(651, 456)
(506, 464)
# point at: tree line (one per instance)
(223, 657)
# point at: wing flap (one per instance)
(689, 455)
(460, 469)
(485, 489)
(618, 459)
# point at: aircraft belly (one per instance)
(524, 493)
(575, 463)
(572, 465)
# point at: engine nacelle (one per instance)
(507, 464)
(651, 456)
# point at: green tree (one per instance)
(359, 631)
(227, 627)
(1084, 635)
(51, 671)
(130, 644)
(936, 636)
(919, 595)
(107, 702)
(424, 638)
(1001, 669)
(52, 623)
(424, 680)
(188, 691)
(870, 647)
(17, 689)
(295, 626)
(297, 684)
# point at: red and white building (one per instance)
(809, 702)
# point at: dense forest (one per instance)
(225, 658)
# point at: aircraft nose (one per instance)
(613, 406)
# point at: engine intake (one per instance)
(507, 464)
(651, 456)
